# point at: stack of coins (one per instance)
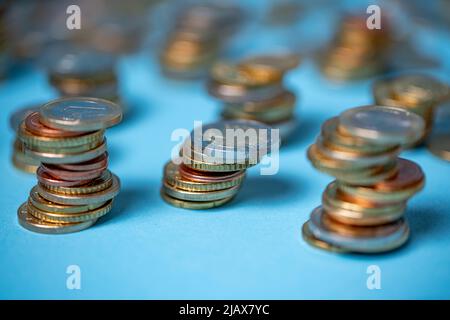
(4, 56)
(209, 173)
(362, 211)
(253, 90)
(356, 52)
(20, 159)
(75, 187)
(82, 72)
(196, 40)
(418, 93)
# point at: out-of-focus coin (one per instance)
(309, 237)
(194, 205)
(74, 200)
(418, 89)
(247, 75)
(283, 61)
(239, 93)
(80, 114)
(20, 115)
(200, 196)
(29, 222)
(383, 125)
(439, 145)
(33, 125)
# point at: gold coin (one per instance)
(209, 167)
(193, 205)
(101, 183)
(48, 206)
(70, 217)
(67, 150)
(29, 222)
(199, 196)
(75, 200)
(247, 75)
(315, 242)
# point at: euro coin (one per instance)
(69, 175)
(199, 196)
(99, 184)
(18, 116)
(194, 205)
(283, 61)
(33, 125)
(309, 237)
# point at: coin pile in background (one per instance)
(362, 210)
(75, 187)
(82, 72)
(209, 174)
(438, 142)
(253, 89)
(197, 38)
(417, 93)
(4, 56)
(356, 52)
(20, 159)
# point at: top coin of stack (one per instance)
(253, 90)
(363, 209)
(210, 172)
(197, 39)
(356, 51)
(75, 187)
(420, 94)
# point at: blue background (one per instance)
(249, 249)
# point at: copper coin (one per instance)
(206, 177)
(94, 164)
(34, 125)
(409, 174)
(47, 179)
(68, 175)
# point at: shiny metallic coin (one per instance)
(387, 241)
(18, 116)
(46, 179)
(74, 200)
(383, 125)
(69, 175)
(48, 206)
(80, 114)
(409, 173)
(99, 184)
(94, 164)
(218, 166)
(238, 93)
(283, 61)
(64, 218)
(67, 158)
(309, 238)
(439, 145)
(194, 205)
(33, 125)
(285, 100)
(199, 196)
(29, 222)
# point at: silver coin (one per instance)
(18, 116)
(31, 223)
(383, 125)
(240, 94)
(80, 114)
(374, 244)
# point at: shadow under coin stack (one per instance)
(20, 159)
(420, 94)
(356, 52)
(82, 72)
(363, 209)
(75, 187)
(253, 90)
(209, 174)
(197, 38)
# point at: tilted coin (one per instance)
(33, 125)
(99, 184)
(194, 205)
(18, 116)
(383, 125)
(283, 61)
(69, 175)
(29, 222)
(46, 179)
(200, 196)
(70, 199)
(309, 237)
(80, 114)
(97, 163)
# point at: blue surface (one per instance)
(251, 248)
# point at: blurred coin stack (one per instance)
(356, 51)
(4, 56)
(417, 93)
(20, 159)
(253, 89)
(82, 72)
(362, 210)
(197, 38)
(209, 173)
(75, 187)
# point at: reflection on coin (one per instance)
(283, 61)
(29, 222)
(194, 205)
(309, 237)
(33, 125)
(384, 125)
(80, 114)
(18, 116)
(199, 196)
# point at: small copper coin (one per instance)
(68, 175)
(94, 164)
(45, 178)
(206, 177)
(409, 174)
(34, 125)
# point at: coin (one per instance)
(80, 114)
(68, 175)
(383, 125)
(194, 205)
(240, 93)
(97, 163)
(199, 196)
(408, 174)
(34, 126)
(64, 218)
(309, 237)
(210, 177)
(29, 222)
(20, 115)
(72, 199)
(46, 179)
(283, 61)
(99, 184)
(439, 145)
(228, 73)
